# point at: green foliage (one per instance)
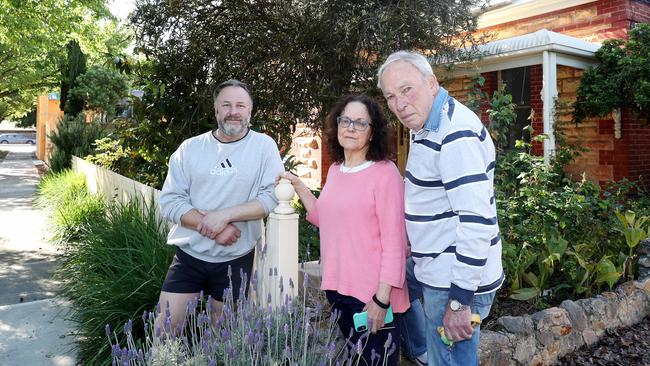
(73, 136)
(74, 66)
(100, 88)
(634, 228)
(28, 120)
(502, 116)
(560, 237)
(115, 274)
(33, 35)
(114, 259)
(71, 208)
(621, 80)
(476, 97)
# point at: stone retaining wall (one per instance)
(543, 337)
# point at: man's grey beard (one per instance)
(233, 130)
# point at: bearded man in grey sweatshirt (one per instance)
(219, 187)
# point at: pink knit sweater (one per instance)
(362, 232)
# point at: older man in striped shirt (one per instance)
(451, 217)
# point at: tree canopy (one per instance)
(298, 56)
(33, 35)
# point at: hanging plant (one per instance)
(621, 80)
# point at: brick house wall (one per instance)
(606, 158)
(307, 147)
(592, 22)
(636, 138)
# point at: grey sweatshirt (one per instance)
(207, 174)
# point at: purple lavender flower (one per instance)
(108, 331)
(128, 327)
(392, 348)
(331, 350)
(168, 324)
(389, 340)
(275, 271)
(254, 279)
(359, 347)
(281, 285)
(250, 338)
(145, 314)
(286, 354)
(291, 286)
(225, 334)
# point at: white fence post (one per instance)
(277, 268)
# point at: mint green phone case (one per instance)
(361, 319)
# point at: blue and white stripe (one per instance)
(450, 209)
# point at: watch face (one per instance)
(454, 305)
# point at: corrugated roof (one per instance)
(541, 38)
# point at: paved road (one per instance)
(33, 329)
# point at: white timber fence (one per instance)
(276, 261)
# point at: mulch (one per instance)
(624, 346)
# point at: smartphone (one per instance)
(361, 319)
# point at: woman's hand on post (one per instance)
(288, 176)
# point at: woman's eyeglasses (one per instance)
(357, 124)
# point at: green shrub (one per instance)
(70, 206)
(561, 238)
(73, 137)
(114, 274)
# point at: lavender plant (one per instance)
(246, 332)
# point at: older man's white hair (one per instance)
(414, 58)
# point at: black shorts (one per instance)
(187, 274)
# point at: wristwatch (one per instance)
(456, 306)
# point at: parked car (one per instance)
(17, 138)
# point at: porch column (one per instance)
(549, 94)
(277, 267)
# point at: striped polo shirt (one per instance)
(451, 216)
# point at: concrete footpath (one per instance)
(33, 325)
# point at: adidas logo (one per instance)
(223, 168)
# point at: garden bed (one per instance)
(542, 337)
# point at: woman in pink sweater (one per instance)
(360, 213)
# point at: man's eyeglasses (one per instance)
(357, 124)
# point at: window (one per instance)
(517, 84)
